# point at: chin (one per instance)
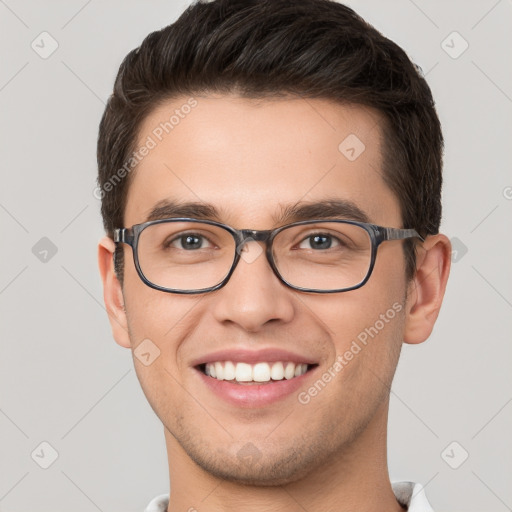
(249, 466)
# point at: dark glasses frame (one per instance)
(378, 235)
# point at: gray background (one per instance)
(64, 381)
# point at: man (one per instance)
(247, 156)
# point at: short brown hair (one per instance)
(266, 48)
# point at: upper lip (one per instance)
(268, 355)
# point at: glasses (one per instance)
(184, 255)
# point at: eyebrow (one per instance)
(334, 208)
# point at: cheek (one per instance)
(366, 327)
(158, 322)
(151, 313)
(349, 314)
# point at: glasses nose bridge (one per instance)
(254, 235)
(250, 235)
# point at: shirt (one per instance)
(409, 494)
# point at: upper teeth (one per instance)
(259, 372)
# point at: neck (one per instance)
(354, 478)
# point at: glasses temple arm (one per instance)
(123, 235)
(401, 234)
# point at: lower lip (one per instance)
(254, 395)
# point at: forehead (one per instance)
(252, 158)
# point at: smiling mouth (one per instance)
(258, 373)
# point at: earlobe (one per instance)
(112, 292)
(426, 290)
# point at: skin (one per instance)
(248, 157)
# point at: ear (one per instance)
(112, 292)
(426, 290)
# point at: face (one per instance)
(250, 159)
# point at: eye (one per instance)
(319, 241)
(188, 242)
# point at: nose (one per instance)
(254, 296)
